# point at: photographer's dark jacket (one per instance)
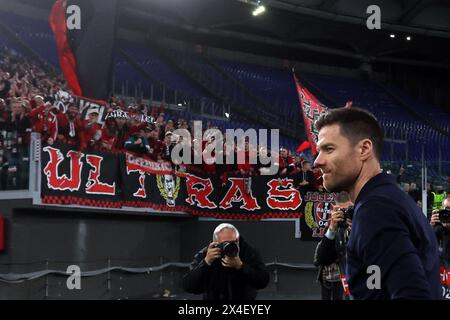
(326, 253)
(443, 238)
(219, 283)
(390, 231)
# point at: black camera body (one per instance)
(348, 214)
(228, 248)
(444, 216)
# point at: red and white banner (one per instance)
(445, 281)
(97, 178)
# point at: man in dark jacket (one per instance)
(306, 179)
(392, 252)
(330, 251)
(442, 231)
(222, 277)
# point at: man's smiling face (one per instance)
(337, 159)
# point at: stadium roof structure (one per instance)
(310, 30)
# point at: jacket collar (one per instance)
(374, 182)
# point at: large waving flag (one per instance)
(311, 109)
(85, 48)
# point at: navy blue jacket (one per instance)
(391, 232)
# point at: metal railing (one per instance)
(20, 170)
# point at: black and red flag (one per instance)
(311, 109)
(85, 48)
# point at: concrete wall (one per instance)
(54, 238)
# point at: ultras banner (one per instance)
(102, 179)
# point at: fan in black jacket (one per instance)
(217, 282)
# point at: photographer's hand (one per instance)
(336, 216)
(212, 254)
(435, 218)
(235, 263)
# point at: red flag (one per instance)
(67, 59)
(348, 104)
(86, 51)
(303, 146)
(311, 109)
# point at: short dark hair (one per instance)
(355, 124)
(342, 197)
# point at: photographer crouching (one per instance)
(227, 269)
(440, 221)
(330, 254)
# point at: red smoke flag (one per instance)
(311, 109)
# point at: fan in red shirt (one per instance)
(70, 127)
(246, 168)
(124, 130)
(209, 165)
(108, 135)
(44, 120)
(319, 179)
(156, 145)
(92, 130)
(286, 163)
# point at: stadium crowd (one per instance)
(28, 103)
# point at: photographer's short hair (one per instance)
(342, 197)
(223, 226)
(355, 124)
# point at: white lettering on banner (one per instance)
(87, 107)
(135, 163)
(168, 185)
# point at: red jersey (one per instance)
(44, 122)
